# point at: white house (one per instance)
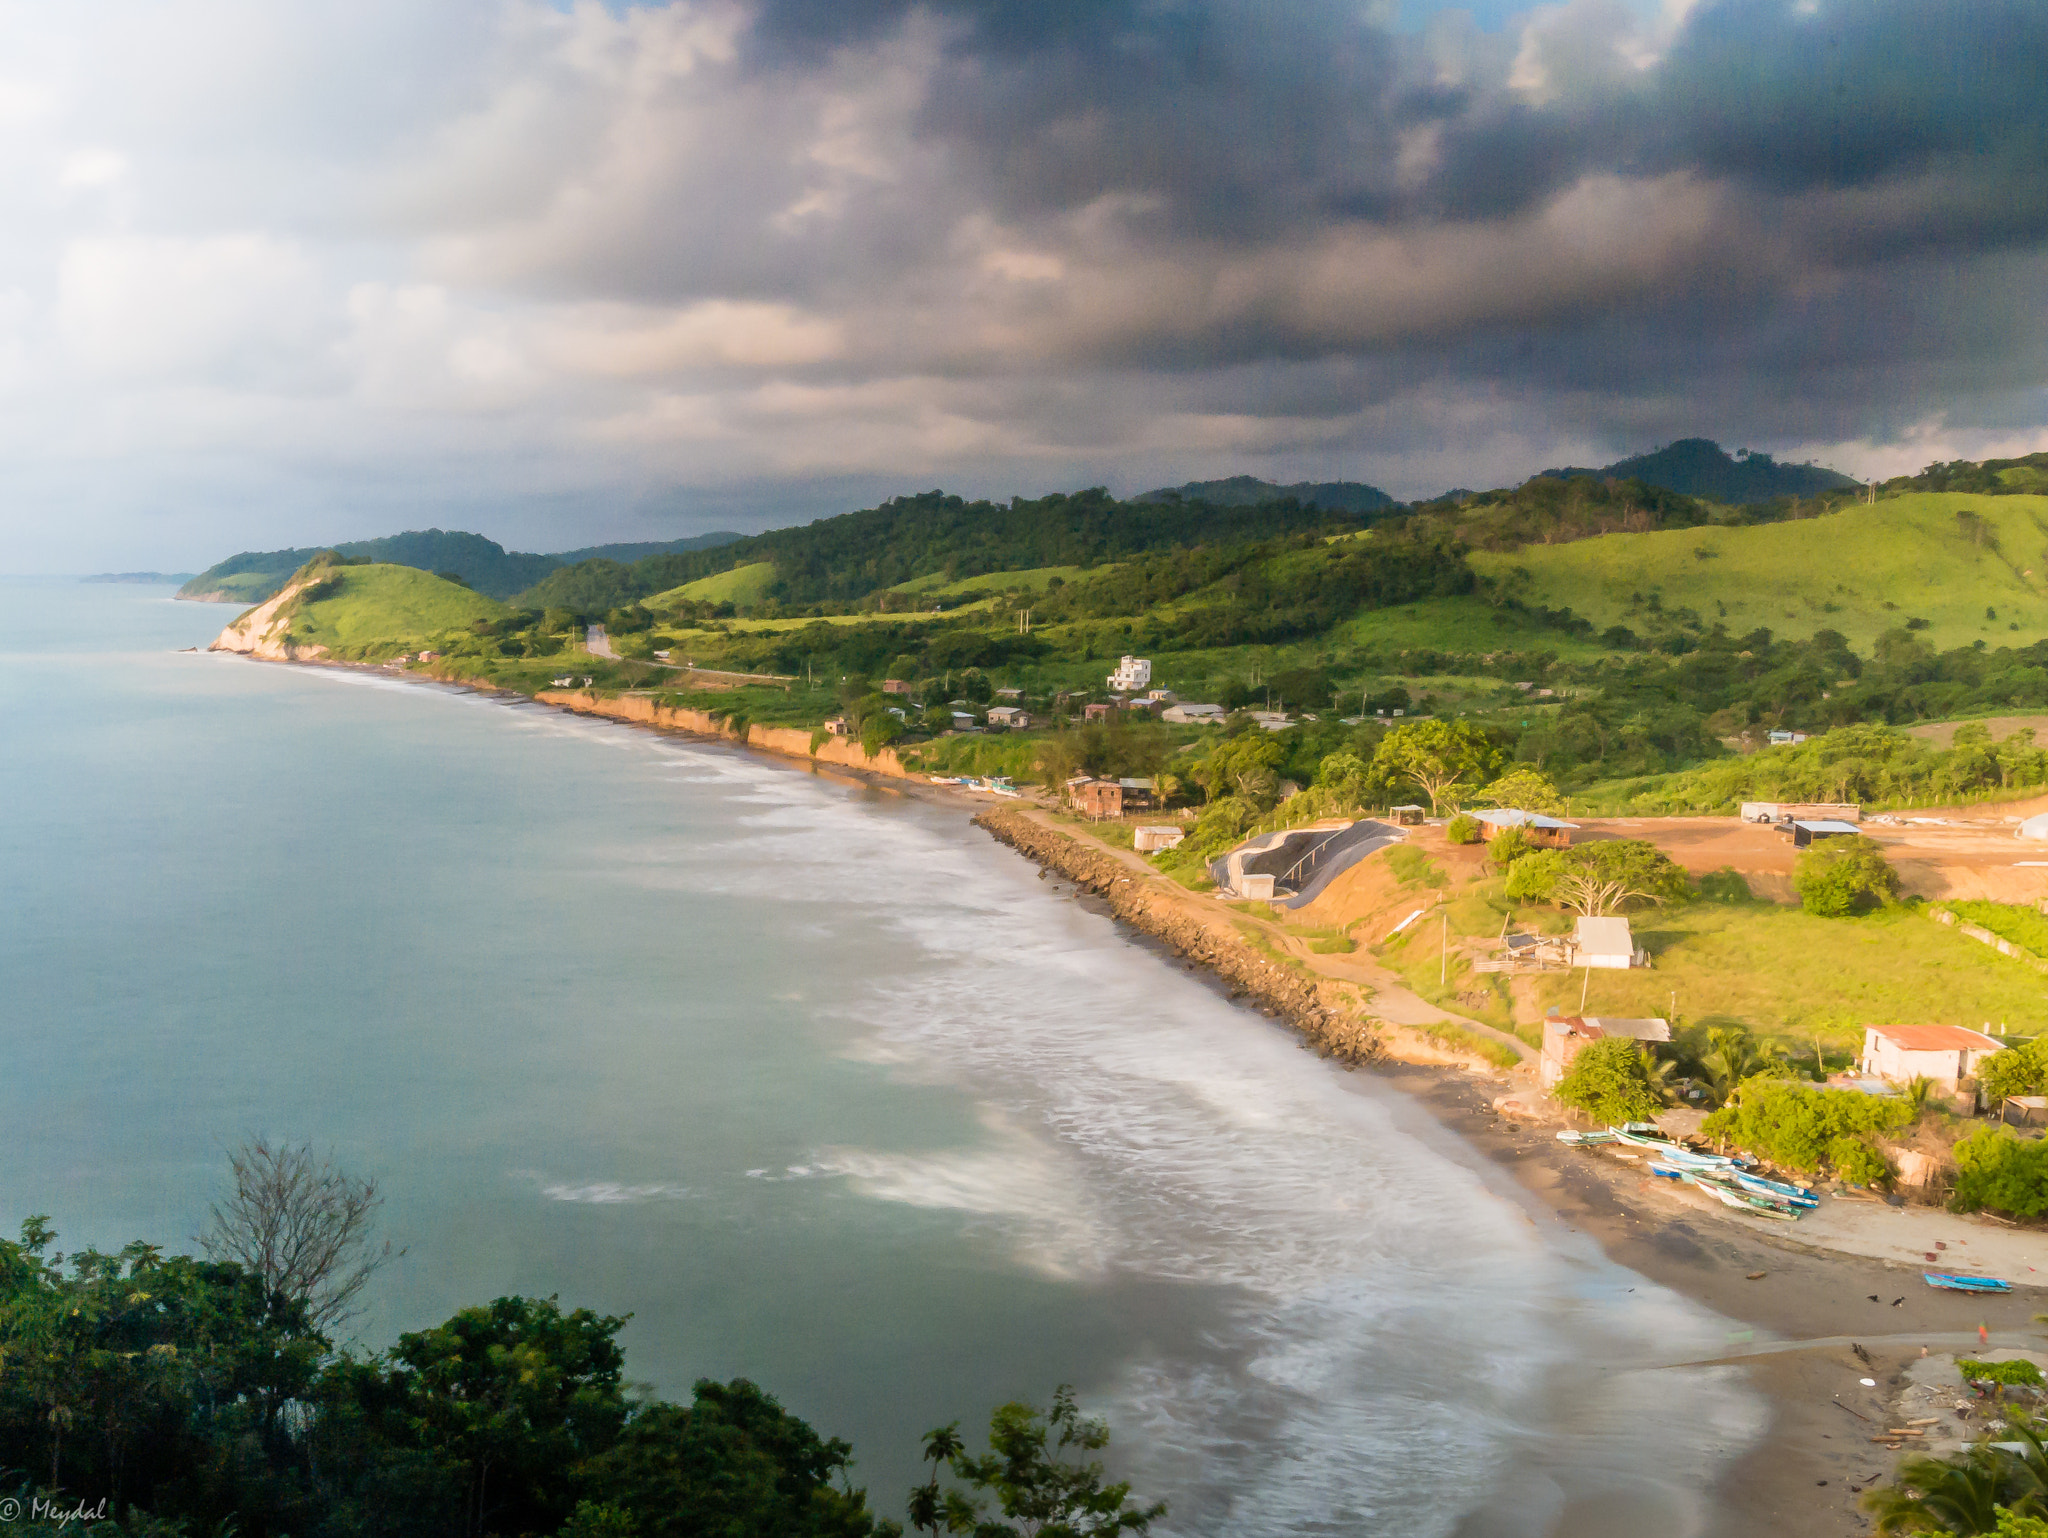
(1013, 716)
(1947, 1054)
(1131, 675)
(1185, 714)
(1155, 837)
(1605, 943)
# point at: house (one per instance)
(1409, 816)
(1096, 712)
(1947, 1054)
(1606, 943)
(1010, 695)
(896, 686)
(1095, 798)
(839, 726)
(1009, 716)
(1787, 739)
(1153, 838)
(1131, 675)
(1182, 713)
(1137, 794)
(1566, 1036)
(1805, 834)
(1546, 832)
(1161, 696)
(963, 721)
(1792, 811)
(1270, 720)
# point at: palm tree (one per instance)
(1935, 1495)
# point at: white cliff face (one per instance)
(262, 631)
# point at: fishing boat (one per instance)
(1585, 1139)
(1965, 1283)
(1798, 1196)
(1745, 1201)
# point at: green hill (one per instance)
(377, 610)
(1973, 568)
(1250, 491)
(1700, 467)
(743, 585)
(486, 565)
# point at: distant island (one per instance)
(149, 577)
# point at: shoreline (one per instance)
(1794, 1323)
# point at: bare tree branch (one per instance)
(301, 1225)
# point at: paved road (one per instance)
(599, 644)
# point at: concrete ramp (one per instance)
(1301, 861)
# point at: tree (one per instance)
(1611, 1081)
(2020, 1070)
(1438, 756)
(303, 1226)
(1841, 876)
(1035, 1481)
(1599, 879)
(1804, 1127)
(1526, 790)
(1246, 765)
(732, 1462)
(1997, 1169)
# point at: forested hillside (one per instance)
(1700, 467)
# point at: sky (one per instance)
(280, 273)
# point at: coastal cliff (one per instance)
(787, 741)
(265, 631)
(1312, 1008)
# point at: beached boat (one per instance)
(1798, 1196)
(1585, 1139)
(1745, 1201)
(1965, 1283)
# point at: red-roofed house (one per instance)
(1947, 1054)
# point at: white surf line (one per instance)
(2009, 1340)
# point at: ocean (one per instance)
(816, 1082)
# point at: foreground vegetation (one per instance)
(160, 1394)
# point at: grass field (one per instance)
(387, 609)
(1861, 572)
(1463, 625)
(1031, 580)
(1793, 976)
(742, 585)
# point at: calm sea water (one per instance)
(819, 1085)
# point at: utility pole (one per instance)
(1444, 954)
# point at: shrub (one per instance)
(1803, 1127)
(1857, 1162)
(2018, 1371)
(1840, 876)
(2021, 1070)
(1997, 1169)
(1508, 846)
(1610, 1081)
(1462, 829)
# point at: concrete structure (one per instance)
(1096, 712)
(1183, 714)
(896, 686)
(1606, 943)
(1012, 716)
(1805, 834)
(964, 722)
(2035, 826)
(1131, 675)
(1547, 832)
(1153, 838)
(1095, 798)
(1137, 794)
(1270, 720)
(1409, 816)
(1787, 739)
(1792, 811)
(1566, 1036)
(1010, 695)
(839, 726)
(1946, 1054)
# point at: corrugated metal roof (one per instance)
(1605, 937)
(1828, 827)
(1652, 1029)
(1936, 1038)
(1512, 817)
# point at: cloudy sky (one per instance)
(275, 272)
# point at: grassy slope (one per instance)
(1836, 572)
(741, 585)
(1032, 580)
(389, 609)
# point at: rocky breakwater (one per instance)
(266, 631)
(1314, 1007)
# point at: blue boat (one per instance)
(1965, 1283)
(1798, 1196)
